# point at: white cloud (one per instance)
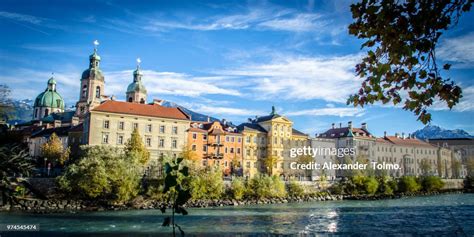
(21, 17)
(229, 111)
(168, 83)
(459, 50)
(331, 79)
(258, 18)
(466, 103)
(340, 112)
(298, 23)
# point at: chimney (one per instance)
(385, 134)
(397, 135)
(316, 135)
(403, 135)
(208, 119)
(224, 122)
(349, 124)
(74, 121)
(364, 126)
(113, 97)
(57, 123)
(340, 125)
(333, 125)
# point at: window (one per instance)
(175, 130)
(255, 139)
(225, 150)
(204, 148)
(130, 99)
(97, 92)
(120, 139)
(247, 139)
(194, 136)
(227, 139)
(238, 150)
(161, 142)
(231, 150)
(148, 128)
(121, 125)
(193, 147)
(247, 164)
(174, 143)
(148, 141)
(84, 91)
(106, 124)
(254, 164)
(105, 138)
(204, 137)
(232, 139)
(162, 128)
(135, 125)
(225, 163)
(239, 140)
(46, 112)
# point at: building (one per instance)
(413, 156)
(462, 151)
(217, 144)
(325, 144)
(48, 102)
(163, 129)
(267, 143)
(92, 87)
(136, 91)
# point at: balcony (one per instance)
(215, 156)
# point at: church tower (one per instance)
(136, 92)
(92, 85)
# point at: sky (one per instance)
(227, 59)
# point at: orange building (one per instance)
(216, 143)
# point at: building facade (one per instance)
(216, 144)
(267, 143)
(163, 129)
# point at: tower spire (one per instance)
(96, 43)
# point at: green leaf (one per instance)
(185, 171)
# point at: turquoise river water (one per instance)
(442, 215)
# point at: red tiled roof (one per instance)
(151, 110)
(407, 141)
(191, 129)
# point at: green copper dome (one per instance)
(94, 56)
(50, 98)
(136, 86)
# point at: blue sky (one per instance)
(231, 60)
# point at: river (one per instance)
(448, 215)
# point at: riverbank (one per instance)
(139, 203)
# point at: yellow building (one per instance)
(267, 143)
(163, 129)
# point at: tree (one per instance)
(54, 151)
(237, 188)
(456, 166)
(14, 162)
(401, 37)
(270, 163)
(207, 184)
(135, 147)
(6, 107)
(432, 183)
(306, 160)
(102, 172)
(408, 184)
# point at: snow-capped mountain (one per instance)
(433, 131)
(195, 116)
